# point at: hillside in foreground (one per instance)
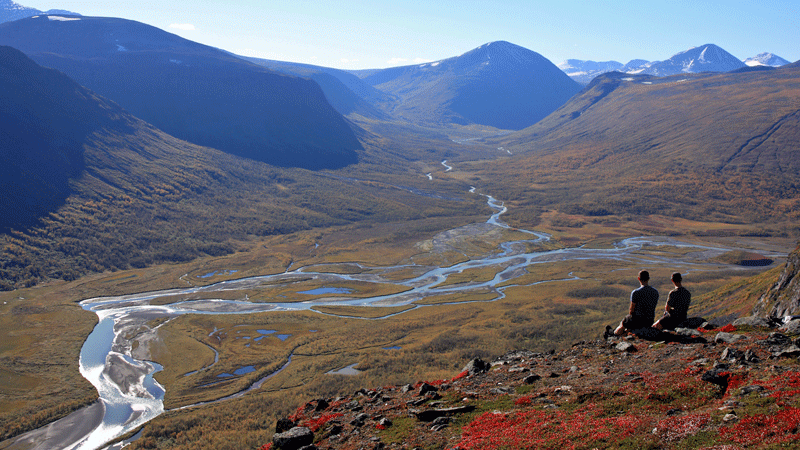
(714, 387)
(734, 387)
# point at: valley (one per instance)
(194, 243)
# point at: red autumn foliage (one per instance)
(777, 428)
(533, 429)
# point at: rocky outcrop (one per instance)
(783, 299)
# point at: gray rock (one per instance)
(792, 327)
(730, 417)
(626, 347)
(728, 338)
(750, 389)
(530, 379)
(430, 415)
(501, 390)
(687, 331)
(476, 366)
(384, 422)
(732, 354)
(753, 321)
(425, 388)
(293, 439)
(778, 339)
(790, 351)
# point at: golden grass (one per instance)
(361, 312)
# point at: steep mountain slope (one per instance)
(345, 91)
(766, 59)
(708, 147)
(10, 10)
(194, 92)
(88, 187)
(705, 58)
(44, 120)
(498, 84)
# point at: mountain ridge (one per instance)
(10, 11)
(192, 91)
(515, 89)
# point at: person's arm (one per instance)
(632, 308)
(668, 307)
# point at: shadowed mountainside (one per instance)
(708, 147)
(192, 91)
(345, 91)
(497, 84)
(44, 119)
(88, 187)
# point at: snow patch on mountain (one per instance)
(766, 59)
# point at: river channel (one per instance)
(130, 396)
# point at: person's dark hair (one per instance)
(676, 277)
(644, 275)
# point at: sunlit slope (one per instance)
(711, 147)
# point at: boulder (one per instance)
(687, 331)
(791, 327)
(790, 351)
(753, 321)
(476, 366)
(626, 347)
(728, 338)
(430, 415)
(293, 439)
(530, 379)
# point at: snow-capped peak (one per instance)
(766, 59)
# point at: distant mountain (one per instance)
(10, 10)
(44, 120)
(766, 59)
(194, 92)
(497, 84)
(345, 91)
(706, 58)
(584, 71)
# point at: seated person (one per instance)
(643, 306)
(677, 306)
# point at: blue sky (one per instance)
(355, 34)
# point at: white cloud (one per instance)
(347, 61)
(183, 26)
(395, 61)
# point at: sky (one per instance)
(356, 34)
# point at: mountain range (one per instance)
(10, 10)
(498, 84)
(194, 92)
(705, 58)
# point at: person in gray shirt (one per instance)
(642, 310)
